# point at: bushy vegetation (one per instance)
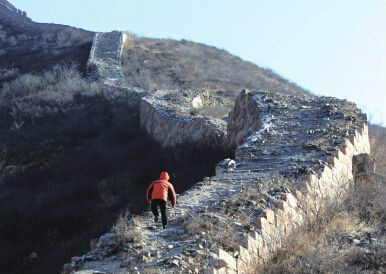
(326, 245)
(72, 157)
(170, 64)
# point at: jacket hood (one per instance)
(164, 176)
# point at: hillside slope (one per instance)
(169, 64)
(26, 46)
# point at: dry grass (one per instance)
(225, 238)
(127, 229)
(212, 229)
(309, 251)
(371, 260)
(198, 224)
(169, 64)
(322, 245)
(344, 223)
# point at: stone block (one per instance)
(227, 258)
(327, 173)
(261, 223)
(269, 215)
(290, 200)
(267, 230)
(244, 255)
(345, 159)
(280, 204)
(281, 220)
(251, 245)
(339, 173)
(313, 185)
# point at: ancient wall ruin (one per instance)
(166, 116)
(161, 118)
(296, 152)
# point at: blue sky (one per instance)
(333, 48)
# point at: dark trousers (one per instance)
(162, 205)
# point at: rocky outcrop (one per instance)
(282, 174)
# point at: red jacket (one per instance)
(161, 189)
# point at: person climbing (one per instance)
(157, 195)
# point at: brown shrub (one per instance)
(197, 224)
(321, 246)
(127, 230)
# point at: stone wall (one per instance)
(166, 116)
(104, 62)
(160, 118)
(296, 152)
(310, 191)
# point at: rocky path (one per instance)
(104, 63)
(299, 136)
